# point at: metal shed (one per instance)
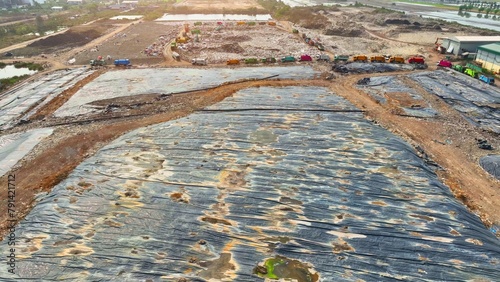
(459, 44)
(489, 56)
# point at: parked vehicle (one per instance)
(233, 62)
(341, 58)
(487, 79)
(397, 60)
(471, 72)
(199, 62)
(269, 60)
(176, 56)
(416, 60)
(377, 59)
(323, 57)
(459, 68)
(288, 59)
(97, 63)
(122, 62)
(251, 61)
(360, 58)
(305, 58)
(8, 54)
(445, 64)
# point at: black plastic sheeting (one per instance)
(491, 164)
(269, 171)
(477, 101)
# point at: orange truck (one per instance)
(397, 59)
(233, 62)
(377, 59)
(360, 58)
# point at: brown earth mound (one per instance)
(69, 39)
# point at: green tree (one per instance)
(479, 15)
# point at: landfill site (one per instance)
(215, 150)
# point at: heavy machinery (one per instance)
(377, 59)
(444, 63)
(199, 62)
(233, 62)
(296, 31)
(181, 40)
(487, 79)
(176, 56)
(288, 59)
(271, 23)
(397, 60)
(269, 60)
(251, 61)
(416, 60)
(360, 58)
(471, 72)
(323, 57)
(440, 48)
(320, 47)
(459, 68)
(173, 46)
(97, 63)
(305, 58)
(344, 58)
(122, 62)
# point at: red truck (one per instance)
(444, 63)
(305, 58)
(416, 60)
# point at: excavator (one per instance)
(440, 48)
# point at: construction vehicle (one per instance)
(471, 72)
(341, 58)
(97, 63)
(251, 23)
(269, 60)
(240, 23)
(416, 60)
(377, 59)
(173, 46)
(233, 62)
(288, 59)
(476, 68)
(199, 62)
(176, 56)
(296, 31)
(320, 47)
(440, 48)
(305, 58)
(360, 58)
(323, 57)
(445, 64)
(122, 62)
(251, 61)
(271, 23)
(459, 68)
(397, 60)
(487, 79)
(181, 40)
(195, 31)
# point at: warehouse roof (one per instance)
(491, 48)
(475, 38)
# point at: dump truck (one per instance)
(397, 60)
(251, 61)
(233, 62)
(97, 63)
(471, 72)
(459, 68)
(416, 60)
(288, 59)
(361, 58)
(240, 23)
(487, 79)
(445, 64)
(323, 57)
(173, 46)
(344, 58)
(269, 60)
(199, 62)
(122, 62)
(181, 40)
(305, 58)
(377, 59)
